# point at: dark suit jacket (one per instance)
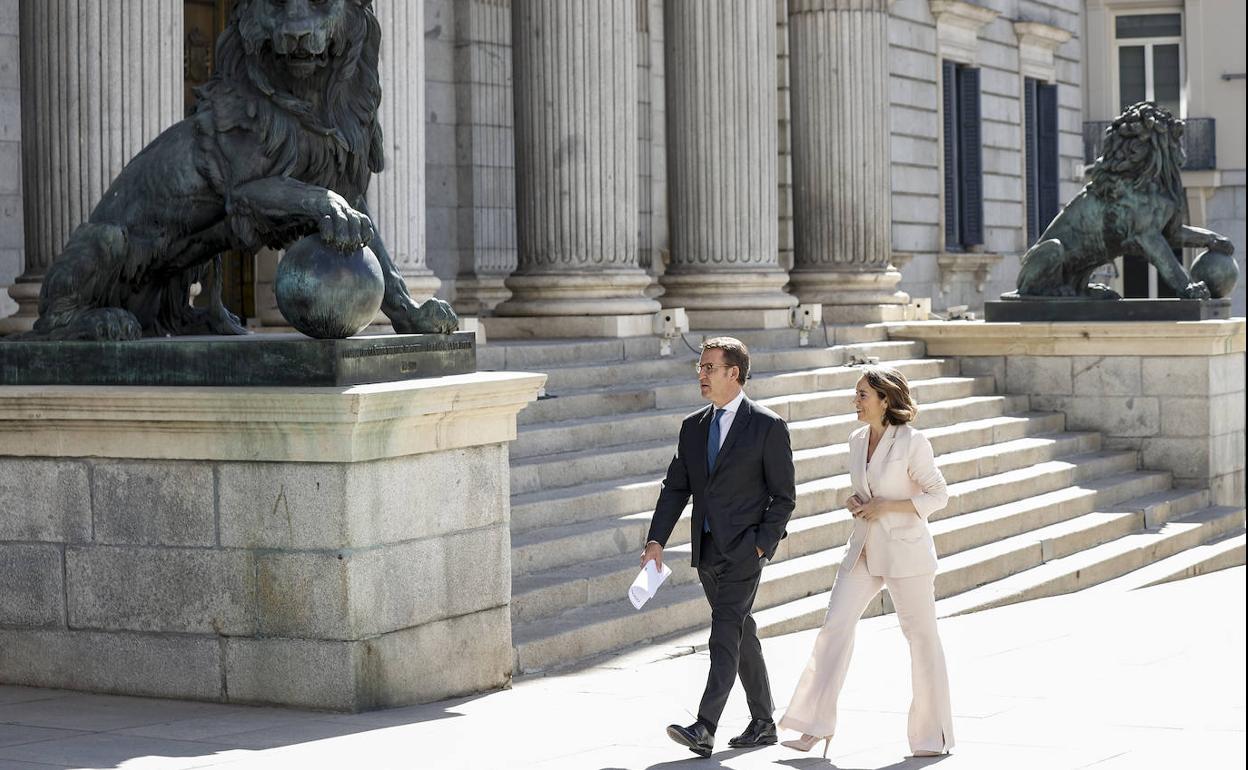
(750, 494)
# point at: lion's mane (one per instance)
(1143, 152)
(339, 139)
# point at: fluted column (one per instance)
(722, 160)
(486, 168)
(99, 80)
(396, 196)
(841, 159)
(575, 74)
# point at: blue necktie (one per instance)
(712, 451)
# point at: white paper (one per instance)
(647, 584)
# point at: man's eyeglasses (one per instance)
(700, 369)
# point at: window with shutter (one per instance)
(1030, 140)
(1040, 150)
(949, 85)
(1048, 176)
(971, 158)
(964, 177)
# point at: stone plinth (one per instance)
(319, 547)
(1013, 309)
(1173, 391)
(261, 360)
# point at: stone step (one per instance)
(949, 421)
(546, 547)
(792, 596)
(1147, 489)
(1014, 562)
(537, 355)
(623, 397)
(679, 366)
(605, 575)
(601, 431)
(1221, 553)
(1105, 561)
(619, 497)
(532, 477)
(770, 339)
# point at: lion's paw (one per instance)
(434, 316)
(1195, 290)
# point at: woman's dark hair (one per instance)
(890, 385)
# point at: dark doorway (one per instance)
(204, 20)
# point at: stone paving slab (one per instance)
(1107, 680)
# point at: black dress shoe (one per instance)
(695, 737)
(760, 732)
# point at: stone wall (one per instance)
(916, 164)
(1225, 213)
(1172, 391)
(327, 550)
(11, 240)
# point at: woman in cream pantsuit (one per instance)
(896, 486)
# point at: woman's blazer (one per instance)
(902, 468)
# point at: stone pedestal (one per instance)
(325, 548)
(575, 65)
(841, 175)
(1172, 390)
(99, 81)
(722, 159)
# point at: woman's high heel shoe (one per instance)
(807, 742)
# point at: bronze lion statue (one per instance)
(282, 144)
(1133, 204)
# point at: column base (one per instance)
(713, 320)
(567, 327)
(422, 285)
(731, 293)
(607, 293)
(869, 296)
(26, 295)
(478, 295)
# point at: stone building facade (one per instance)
(576, 158)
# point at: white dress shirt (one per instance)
(730, 414)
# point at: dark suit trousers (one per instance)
(730, 588)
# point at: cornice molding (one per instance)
(957, 28)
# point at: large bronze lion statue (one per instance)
(1133, 205)
(282, 144)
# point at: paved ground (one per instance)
(1104, 679)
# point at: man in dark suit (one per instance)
(734, 458)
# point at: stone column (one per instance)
(99, 80)
(722, 160)
(575, 69)
(841, 172)
(396, 196)
(485, 143)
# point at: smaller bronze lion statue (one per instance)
(1133, 205)
(282, 144)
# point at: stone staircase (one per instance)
(1034, 510)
